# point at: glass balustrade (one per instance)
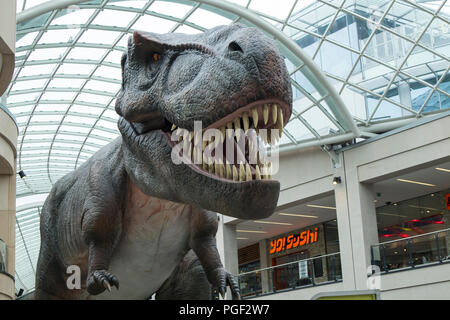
(412, 252)
(293, 275)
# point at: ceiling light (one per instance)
(321, 207)
(297, 215)
(419, 207)
(417, 182)
(22, 174)
(442, 169)
(336, 180)
(238, 238)
(391, 214)
(251, 231)
(272, 222)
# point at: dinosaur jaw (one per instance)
(233, 149)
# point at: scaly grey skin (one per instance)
(129, 214)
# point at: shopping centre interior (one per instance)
(364, 160)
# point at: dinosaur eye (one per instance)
(156, 57)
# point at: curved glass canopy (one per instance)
(357, 68)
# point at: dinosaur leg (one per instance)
(187, 282)
(203, 230)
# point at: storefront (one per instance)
(294, 259)
(414, 232)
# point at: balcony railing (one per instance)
(292, 275)
(412, 252)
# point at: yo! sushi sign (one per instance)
(293, 241)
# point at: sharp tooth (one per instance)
(185, 135)
(258, 173)
(266, 113)
(222, 130)
(178, 132)
(255, 117)
(245, 121)
(241, 172)
(235, 173)
(248, 172)
(221, 169)
(229, 129)
(280, 121)
(228, 170)
(274, 113)
(237, 128)
(173, 127)
(217, 167)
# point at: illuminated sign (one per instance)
(293, 241)
(447, 201)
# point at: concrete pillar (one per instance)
(264, 260)
(8, 140)
(227, 246)
(357, 227)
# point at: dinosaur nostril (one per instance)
(233, 46)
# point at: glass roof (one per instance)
(375, 62)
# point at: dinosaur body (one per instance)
(129, 217)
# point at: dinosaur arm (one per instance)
(203, 230)
(101, 227)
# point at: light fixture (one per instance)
(391, 214)
(251, 231)
(417, 182)
(239, 238)
(321, 207)
(336, 180)
(442, 169)
(273, 222)
(22, 174)
(297, 215)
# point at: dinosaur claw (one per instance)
(107, 285)
(222, 292)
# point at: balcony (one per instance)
(412, 252)
(294, 275)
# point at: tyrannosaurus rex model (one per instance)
(133, 216)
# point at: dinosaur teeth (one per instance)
(274, 113)
(266, 113)
(255, 117)
(258, 121)
(245, 120)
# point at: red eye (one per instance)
(156, 57)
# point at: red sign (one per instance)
(293, 241)
(447, 201)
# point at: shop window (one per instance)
(250, 284)
(412, 217)
(291, 275)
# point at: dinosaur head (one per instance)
(229, 77)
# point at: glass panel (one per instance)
(424, 250)
(395, 255)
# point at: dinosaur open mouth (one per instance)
(234, 147)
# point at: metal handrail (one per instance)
(412, 237)
(288, 263)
